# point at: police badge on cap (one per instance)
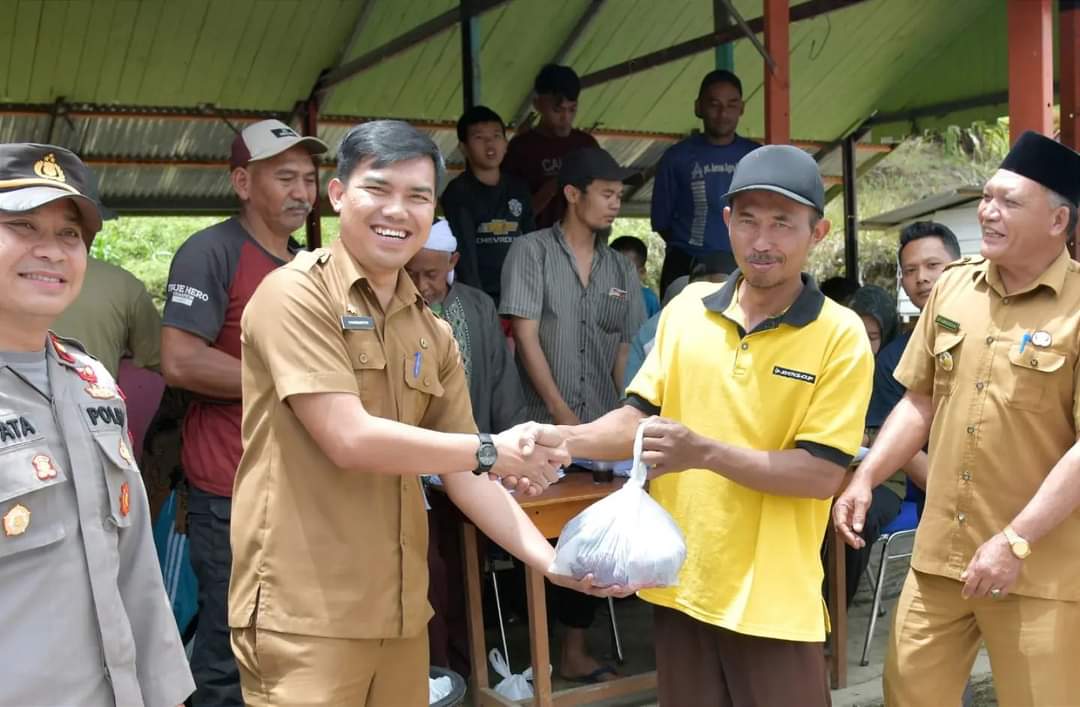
(33, 175)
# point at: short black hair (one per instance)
(475, 116)
(557, 80)
(719, 76)
(388, 142)
(839, 289)
(930, 229)
(630, 244)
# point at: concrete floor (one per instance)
(634, 618)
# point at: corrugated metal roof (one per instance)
(922, 207)
(884, 57)
(164, 161)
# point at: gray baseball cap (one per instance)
(783, 169)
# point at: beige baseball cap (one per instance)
(267, 138)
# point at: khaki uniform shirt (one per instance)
(1005, 412)
(319, 550)
(85, 617)
(114, 316)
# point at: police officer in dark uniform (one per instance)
(85, 617)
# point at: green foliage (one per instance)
(145, 245)
(918, 168)
(640, 228)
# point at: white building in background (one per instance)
(955, 209)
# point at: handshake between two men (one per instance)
(625, 541)
(530, 454)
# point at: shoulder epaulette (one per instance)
(305, 260)
(966, 260)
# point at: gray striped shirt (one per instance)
(581, 328)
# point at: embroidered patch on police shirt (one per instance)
(104, 415)
(794, 375)
(17, 429)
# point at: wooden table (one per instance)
(549, 512)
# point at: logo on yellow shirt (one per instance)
(794, 375)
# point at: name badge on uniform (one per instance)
(946, 323)
(617, 293)
(355, 322)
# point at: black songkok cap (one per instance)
(1047, 162)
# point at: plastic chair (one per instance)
(903, 526)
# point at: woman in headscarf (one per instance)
(877, 309)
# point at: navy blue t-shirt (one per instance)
(887, 393)
(887, 390)
(688, 192)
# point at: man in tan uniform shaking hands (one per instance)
(992, 373)
(352, 388)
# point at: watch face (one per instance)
(487, 454)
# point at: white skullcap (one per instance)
(441, 238)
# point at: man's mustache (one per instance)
(291, 204)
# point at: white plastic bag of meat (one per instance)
(625, 538)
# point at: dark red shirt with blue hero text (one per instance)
(211, 279)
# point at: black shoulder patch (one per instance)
(794, 375)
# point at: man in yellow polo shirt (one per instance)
(763, 385)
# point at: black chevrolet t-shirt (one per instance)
(486, 220)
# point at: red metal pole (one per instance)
(777, 82)
(1069, 48)
(1031, 67)
(1069, 44)
(313, 227)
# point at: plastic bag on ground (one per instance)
(514, 686)
(625, 538)
(439, 688)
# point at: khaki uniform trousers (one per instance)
(1032, 643)
(292, 670)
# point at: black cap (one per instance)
(33, 175)
(783, 169)
(1047, 162)
(581, 167)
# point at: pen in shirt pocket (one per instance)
(417, 357)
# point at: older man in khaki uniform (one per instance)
(353, 388)
(85, 619)
(992, 377)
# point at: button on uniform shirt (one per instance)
(319, 550)
(85, 617)
(1005, 412)
(798, 381)
(581, 326)
(211, 278)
